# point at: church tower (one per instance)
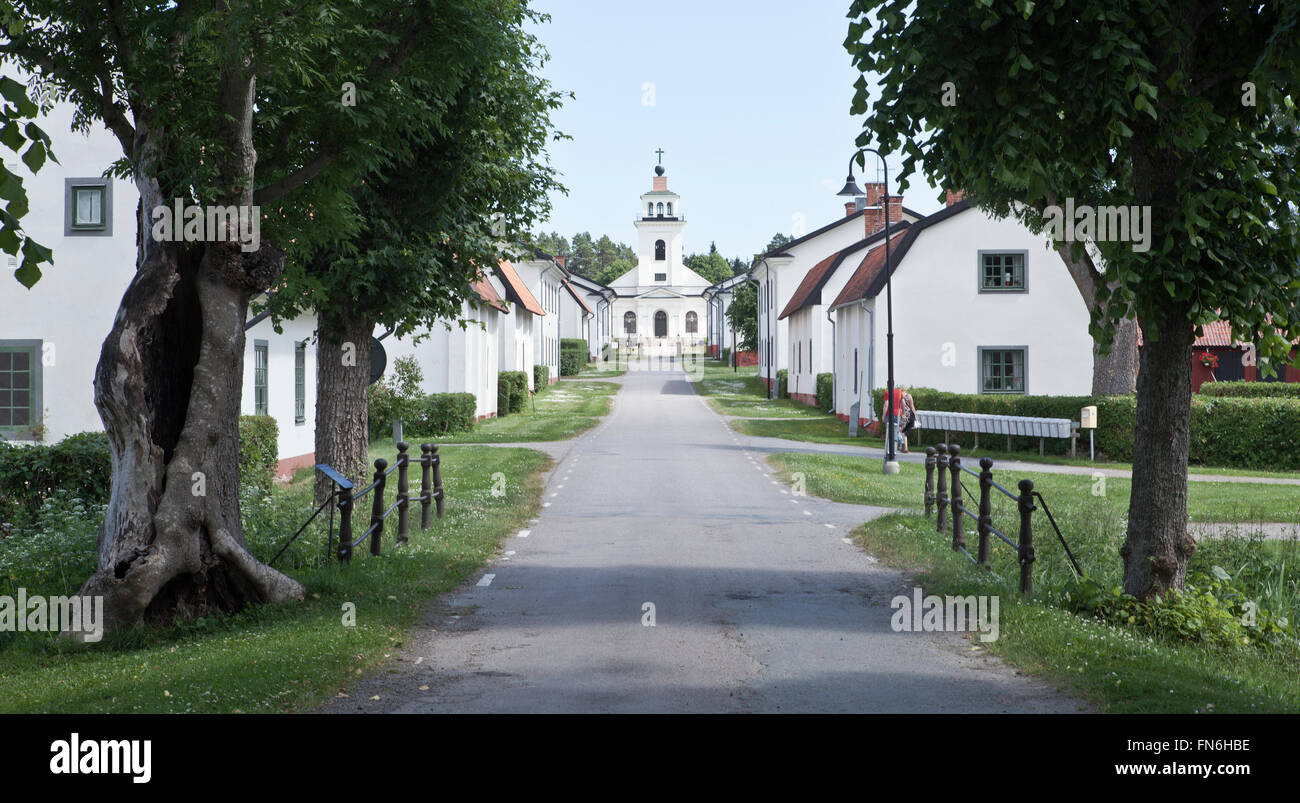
(659, 236)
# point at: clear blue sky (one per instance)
(751, 107)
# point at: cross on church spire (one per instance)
(661, 155)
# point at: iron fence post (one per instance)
(403, 493)
(929, 479)
(437, 479)
(954, 465)
(345, 524)
(941, 499)
(426, 486)
(377, 509)
(1027, 508)
(986, 510)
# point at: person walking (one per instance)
(907, 414)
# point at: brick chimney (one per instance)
(850, 208)
(873, 216)
(955, 197)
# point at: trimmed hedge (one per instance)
(516, 391)
(1256, 433)
(573, 355)
(783, 384)
(825, 390)
(726, 354)
(448, 412)
(541, 377)
(80, 464)
(259, 450)
(1254, 390)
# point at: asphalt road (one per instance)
(760, 603)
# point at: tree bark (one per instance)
(342, 402)
(1116, 373)
(1157, 547)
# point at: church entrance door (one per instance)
(661, 324)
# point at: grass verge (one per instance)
(1116, 668)
(271, 658)
(562, 411)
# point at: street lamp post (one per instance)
(851, 189)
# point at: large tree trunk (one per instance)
(167, 388)
(1158, 546)
(342, 408)
(1116, 373)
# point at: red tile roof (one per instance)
(488, 293)
(516, 290)
(868, 269)
(1216, 333)
(811, 284)
(577, 297)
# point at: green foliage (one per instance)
(541, 377)
(77, 466)
(259, 450)
(396, 397)
(15, 108)
(825, 390)
(601, 260)
(512, 392)
(726, 355)
(445, 413)
(1289, 390)
(573, 356)
(712, 266)
(742, 316)
(1233, 432)
(783, 384)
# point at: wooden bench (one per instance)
(981, 423)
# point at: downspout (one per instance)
(834, 357)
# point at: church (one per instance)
(661, 301)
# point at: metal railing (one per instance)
(345, 498)
(948, 499)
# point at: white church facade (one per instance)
(660, 303)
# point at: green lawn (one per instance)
(1118, 669)
(1074, 499)
(732, 392)
(272, 658)
(568, 408)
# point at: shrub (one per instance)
(782, 384)
(573, 355)
(396, 397)
(259, 450)
(825, 390)
(514, 386)
(541, 377)
(1252, 389)
(726, 354)
(79, 465)
(448, 412)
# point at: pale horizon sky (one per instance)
(750, 105)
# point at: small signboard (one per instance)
(1088, 417)
(853, 419)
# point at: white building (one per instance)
(456, 359)
(600, 300)
(544, 275)
(980, 305)
(779, 273)
(518, 331)
(660, 302)
(51, 335)
(718, 330)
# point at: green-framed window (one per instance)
(1002, 370)
(299, 382)
(260, 359)
(1002, 272)
(20, 387)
